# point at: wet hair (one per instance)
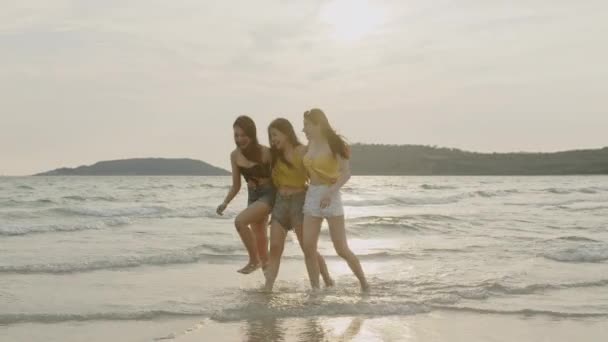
(284, 126)
(253, 151)
(337, 143)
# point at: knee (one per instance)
(239, 223)
(320, 257)
(276, 249)
(310, 249)
(344, 252)
(260, 228)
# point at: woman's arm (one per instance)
(236, 184)
(344, 166)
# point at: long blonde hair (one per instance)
(337, 143)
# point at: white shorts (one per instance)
(312, 203)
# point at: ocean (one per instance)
(448, 258)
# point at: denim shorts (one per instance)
(312, 204)
(263, 193)
(287, 210)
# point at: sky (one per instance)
(90, 80)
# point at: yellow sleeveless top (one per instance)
(325, 167)
(285, 176)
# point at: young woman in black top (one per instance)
(253, 161)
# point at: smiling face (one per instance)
(277, 139)
(240, 138)
(312, 131)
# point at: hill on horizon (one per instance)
(142, 167)
(372, 159)
(378, 160)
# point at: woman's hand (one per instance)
(326, 199)
(221, 208)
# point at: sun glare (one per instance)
(352, 20)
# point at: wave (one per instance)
(27, 203)
(196, 212)
(140, 212)
(16, 318)
(132, 212)
(522, 312)
(484, 290)
(588, 191)
(558, 191)
(427, 200)
(496, 193)
(390, 255)
(534, 288)
(296, 309)
(402, 201)
(452, 293)
(402, 218)
(211, 186)
(147, 188)
(381, 227)
(575, 238)
(406, 223)
(564, 191)
(446, 250)
(437, 187)
(264, 311)
(187, 256)
(93, 198)
(580, 254)
(587, 209)
(112, 212)
(201, 253)
(18, 230)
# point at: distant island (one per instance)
(142, 167)
(385, 160)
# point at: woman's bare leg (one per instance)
(260, 230)
(254, 213)
(322, 265)
(277, 244)
(310, 239)
(338, 237)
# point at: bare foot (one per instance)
(329, 282)
(365, 287)
(250, 267)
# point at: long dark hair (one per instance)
(253, 151)
(284, 126)
(337, 143)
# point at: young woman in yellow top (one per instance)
(327, 163)
(290, 178)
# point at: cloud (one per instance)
(88, 76)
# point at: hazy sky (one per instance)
(83, 81)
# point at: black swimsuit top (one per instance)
(256, 172)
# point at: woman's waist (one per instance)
(259, 183)
(290, 178)
(291, 190)
(316, 180)
(319, 176)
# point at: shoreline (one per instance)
(436, 326)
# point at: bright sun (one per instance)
(351, 20)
